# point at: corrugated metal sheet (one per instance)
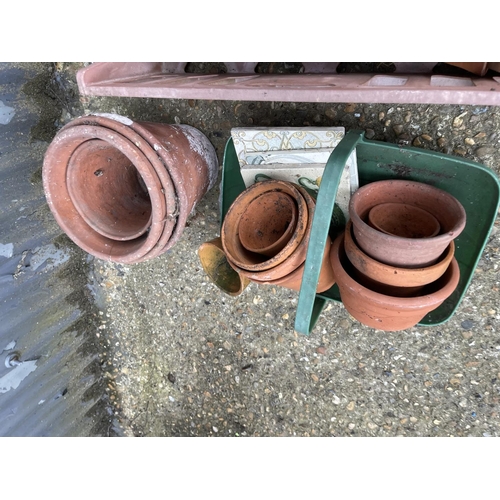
(46, 308)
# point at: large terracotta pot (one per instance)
(392, 275)
(215, 264)
(399, 251)
(386, 312)
(108, 181)
(238, 255)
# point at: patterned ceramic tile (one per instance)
(295, 155)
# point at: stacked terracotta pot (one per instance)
(395, 261)
(123, 190)
(266, 232)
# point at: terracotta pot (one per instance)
(294, 260)
(91, 228)
(391, 275)
(215, 264)
(268, 223)
(63, 207)
(400, 219)
(293, 280)
(184, 160)
(395, 250)
(252, 261)
(385, 312)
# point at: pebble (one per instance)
(467, 324)
(351, 406)
(321, 350)
(408, 117)
(458, 121)
(398, 129)
(441, 142)
(331, 113)
(350, 108)
(460, 151)
(469, 141)
(369, 133)
(417, 142)
(381, 116)
(479, 136)
(426, 137)
(484, 151)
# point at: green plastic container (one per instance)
(475, 186)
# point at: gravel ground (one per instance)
(184, 359)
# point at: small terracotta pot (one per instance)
(391, 275)
(215, 264)
(251, 261)
(268, 223)
(395, 250)
(293, 280)
(400, 219)
(293, 261)
(385, 312)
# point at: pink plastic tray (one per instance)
(411, 83)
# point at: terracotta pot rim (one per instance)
(230, 241)
(393, 275)
(397, 303)
(296, 259)
(446, 234)
(54, 182)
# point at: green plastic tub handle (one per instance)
(310, 306)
